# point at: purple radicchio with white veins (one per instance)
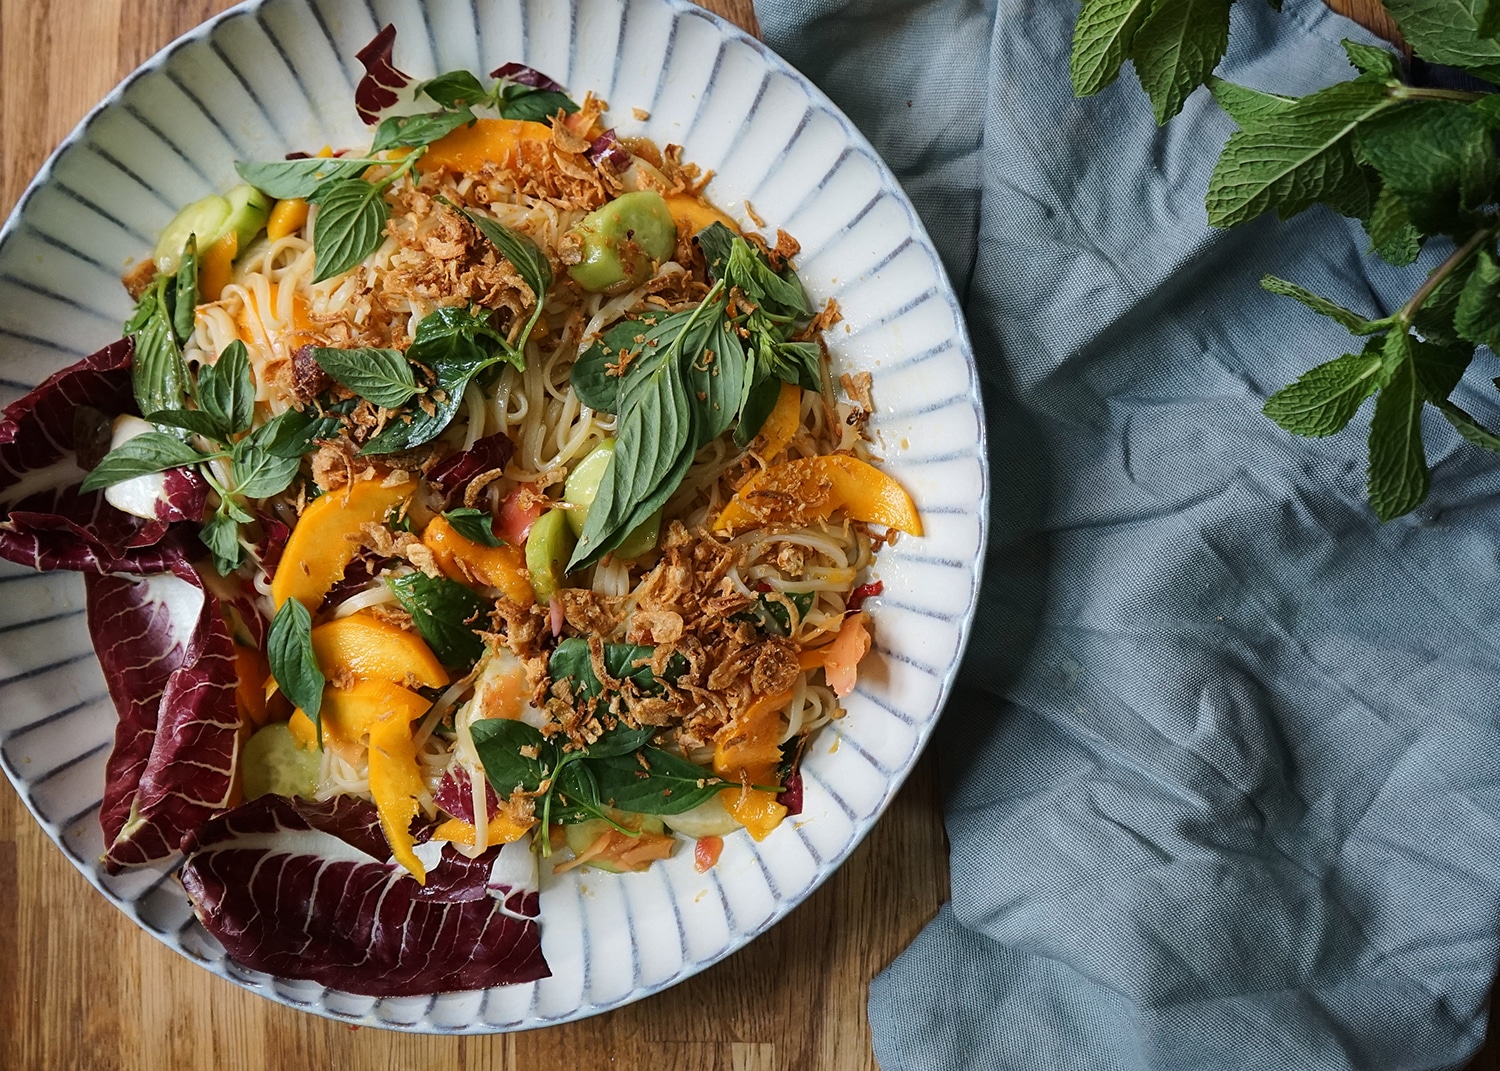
(45, 438)
(169, 663)
(377, 89)
(523, 75)
(606, 149)
(308, 890)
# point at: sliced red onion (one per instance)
(377, 89)
(790, 795)
(607, 149)
(491, 452)
(523, 75)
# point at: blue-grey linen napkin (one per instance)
(1222, 774)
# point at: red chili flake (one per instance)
(858, 596)
(706, 853)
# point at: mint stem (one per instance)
(1403, 93)
(1409, 311)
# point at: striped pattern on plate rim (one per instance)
(271, 76)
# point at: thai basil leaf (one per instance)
(221, 535)
(296, 431)
(159, 375)
(140, 456)
(259, 473)
(455, 89)
(760, 399)
(529, 261)
(226, 391)
(499, 742)
(475, 525)
(446, 614)
(716, 374)
(382, 376)
(535, 105)
(665, 784)
(748, 269)
(772, 616)
(185, 298)
(194, 420)
(621, 740)
(302, 178)
(293, 662)
(349, 226)
(417, 130)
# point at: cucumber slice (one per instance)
(708, 819)
(206, 218)
(548, 548)
(580, 835)
(248, 211)
(274, 763)
(583, 487)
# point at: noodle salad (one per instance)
(486, 498)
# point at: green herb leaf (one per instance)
(594, 383)
(1398, 464)
(1253, 110)
(221, 535)
(226, 392)
(476, 525)
(381, 376)
(1102, 39)
(528, 260)
(259, 473)
(1439, 158)
(349, 226)
(570, 661)
(1368, 59)
(416, 130)
(536, 105)
(1176, 48)
(1439, 367)
(771, 615)
(455, 89)
(760, 398)
(1348, 318)
(140, 456)
(185, 298)
(653, 781)
(621, 740)
(1307, 157)
(302, 178)
(1469, 428)
(293, 663)
(716, 378)
(779, 293)
(193, 420)
(296, 432)
(1447, 32)
(1324, 400)
(1392, 237)
(499, 742)
(159, 375)
(1477, 317)
(446, 614)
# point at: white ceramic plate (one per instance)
(273, 76)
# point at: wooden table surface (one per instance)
(83, 987)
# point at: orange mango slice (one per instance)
(811, 488)
(781, 425)
(692, 214)
(502, 829)
(749, 747)
(215, 265)
(364, 646)
(468, 562)
(287, 217)
(325, 539)
(499, 141)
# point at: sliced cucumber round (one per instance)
(548, 548)
(207, 219)
(248, 211)
(708, 819)
(582, 834)
(273, 763)
(583, 487)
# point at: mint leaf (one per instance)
(226, 391)
(1392, 237)
(1477, 317)
(1434, 321)
(302, 178)
(417, 130)
(349, 226)
(294, 665)
(1356, 324)
(1398, 464)
(1447, 32)
(1250, 108)
(378, 375)
(1101, 41)
(1439, 367)
(140, 456)
(1368, 59)
(474, 525)
(1438, 157)
(1325, 399)
(1468, 427)
(446, 613)
(1307, 157)
(1176, 48)
(1487, 12)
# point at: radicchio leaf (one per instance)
(50, 525)
(455, 795)
(607, 149)
(377, 89)
(306, 890)
(523, 75)
(491, 452)
(790, 795)
(168, 660)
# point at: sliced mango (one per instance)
(692, 214)
(468, 562)
(287, 218)
(325, 539)
(748, 752)
(216, 265)
(782, 424)
(502, 829)
(811, 488)
(497, 141)
(362, 645)
(251, 670)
